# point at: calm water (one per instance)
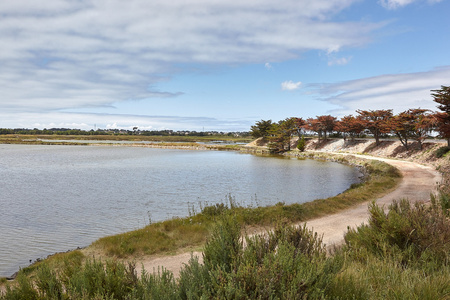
(56, 198)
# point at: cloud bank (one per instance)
(65, 54)
(392, 91)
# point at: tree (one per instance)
(313, 125)
(280, 135)
(376, 121)
(442, 97)
(424, 124)
(261, 129)
(403, 125)
(321, 125)
(300, 125)
(350, 126)
(326, 124)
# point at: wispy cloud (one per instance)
(340, 61)
(395, 4)
(398, 92)
(290, 85)
(268, 66)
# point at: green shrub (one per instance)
(301, 144)
(214, 210)
(441, 151)
(416, 235)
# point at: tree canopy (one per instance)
(442, 97)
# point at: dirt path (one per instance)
(417, 184)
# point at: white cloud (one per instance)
(268, 66)
(290, 85)
(340, 61)
(75, 54)
(398, 92)
(394, 4)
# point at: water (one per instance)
(56, 198)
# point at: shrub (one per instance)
(441, 151)
(301, 144)
(415, 234)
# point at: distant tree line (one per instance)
(135, 131)
(411, 125)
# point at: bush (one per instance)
(301, 144)
(441, 151)
(416, 235)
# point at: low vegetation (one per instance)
(401, 254)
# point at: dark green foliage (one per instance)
(288, 263)
(261, 128)
(224, 246)
(401, 254)
(301, 144)
(413, 234)
(442, 151)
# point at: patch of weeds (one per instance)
(214, 210)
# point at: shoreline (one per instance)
(309, 154)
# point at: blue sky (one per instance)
(215, 64)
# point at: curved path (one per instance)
(417, 183)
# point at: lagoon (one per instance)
(56, 198)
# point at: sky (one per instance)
(215, 65)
